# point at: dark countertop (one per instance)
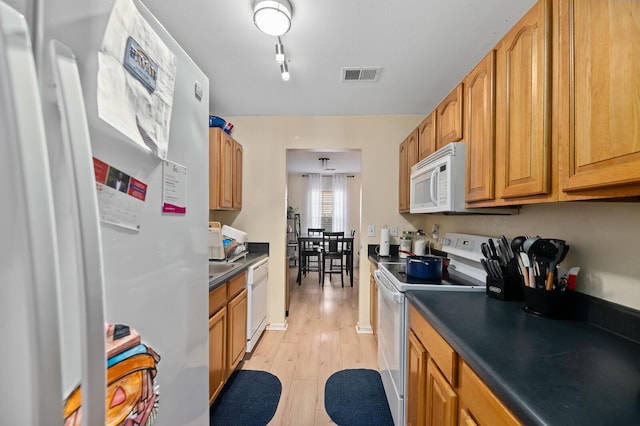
(548, 372)
(239, 267)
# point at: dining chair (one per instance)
(333, 243)
(348, 255)
(311, 254)
(315, 232)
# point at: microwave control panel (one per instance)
(443, 185)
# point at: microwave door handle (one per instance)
(433, 188)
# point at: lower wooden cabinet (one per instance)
(441, 388)
(237, 311)
(479, 403)
(217, 353)
(416, 381)
(373, 302)
(442, 400)
(227, 331)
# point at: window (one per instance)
(326, 218)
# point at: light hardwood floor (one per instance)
(321, 339)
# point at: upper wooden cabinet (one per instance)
(479, 130)
(449, 117)
(408, 157)
(237, 176)
(225, 171)
(523, 106)
(427, 136)
(599, 118)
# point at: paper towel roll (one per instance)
(384, 241)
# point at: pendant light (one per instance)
(272, 17)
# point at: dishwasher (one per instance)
(257, 278)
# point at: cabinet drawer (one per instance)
(217, 298)
(236, 284)
(482, 404)
(439, 350)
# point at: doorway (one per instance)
(327, 166)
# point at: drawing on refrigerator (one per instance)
(132, 396)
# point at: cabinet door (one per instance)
(373, 300)
(479, 125)
(408, 157)
(217, 353)
(237, 176)
(523, 105)
(427, 136)
(221, 150)
(600, 125)
(465, 418)
(416, 381)
(226, 171)
(482, 404)
(412, 153)
(450, 118)
(237, 311)
(403, 178)
(442, 401)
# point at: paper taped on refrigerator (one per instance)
(136, 79)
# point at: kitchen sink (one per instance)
(219, 268)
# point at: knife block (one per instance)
(509, 287)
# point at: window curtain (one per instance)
(340, 206)
(314, 201)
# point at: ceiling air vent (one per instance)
(361, 74)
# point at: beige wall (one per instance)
(263, 216)
(603, 236)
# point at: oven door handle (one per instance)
(386, 289)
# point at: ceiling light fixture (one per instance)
(284, 71)
(272, 17)
(279, 52)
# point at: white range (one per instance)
(465, 273)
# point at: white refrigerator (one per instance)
(104, 215)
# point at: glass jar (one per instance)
(420, 243)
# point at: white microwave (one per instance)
(438, 184)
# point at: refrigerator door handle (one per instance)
(23, 140)
(76, 145)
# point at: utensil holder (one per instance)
(509, 287)
(549, 304)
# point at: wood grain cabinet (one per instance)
(227, 331)
(523, 108)
(479, 131)
(432, 375)
(478, 405)
(599, 118)
(408, 156)
(416, 381)
(449, 117)
(237, 321)
(373, 301)
(427, 136)
(441, 388)
(217, 341)
(225, 171)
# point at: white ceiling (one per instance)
(425, 48)
(308, 161)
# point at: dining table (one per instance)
(319, 240)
